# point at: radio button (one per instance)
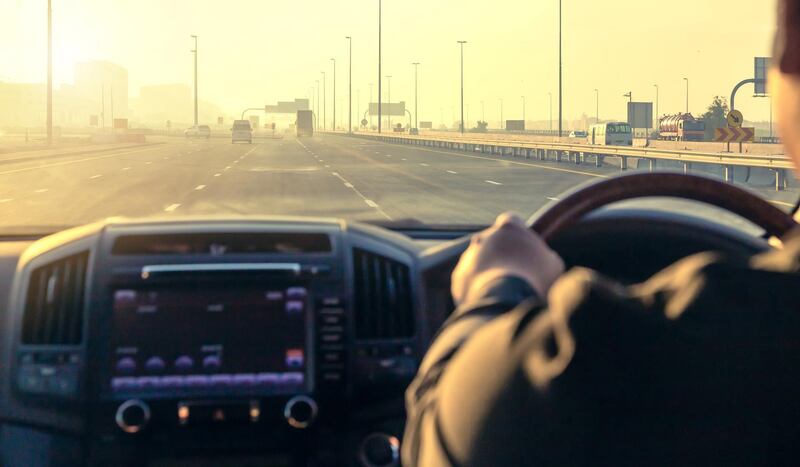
(300, 411)
(132, 416)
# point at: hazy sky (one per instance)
(254, 52)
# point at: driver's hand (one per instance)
(508, 248)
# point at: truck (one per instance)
(305, 123)
(681, 127)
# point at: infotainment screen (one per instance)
(192, 340)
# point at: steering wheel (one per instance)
(556, 218)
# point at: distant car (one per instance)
(199, 131)
(578, 134)
(413, 131)
(242, 131)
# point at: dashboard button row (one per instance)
(45, 379)
(331, 319)
(273, 380)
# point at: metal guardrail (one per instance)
(582, 153)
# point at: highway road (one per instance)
(321, 176)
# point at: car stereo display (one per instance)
(202, 340)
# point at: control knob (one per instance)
(379, 450)
(133, 415)
(300, 411)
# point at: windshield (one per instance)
(96, 125)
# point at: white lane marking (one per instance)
(552, 199)
(424, 165)
(321, 160)
(526, 164)
(227, 167)
(95, 176)
(335, 174)
(42, 190)
(388, 155)
(327, 167)
(492, 182)
(236, 162)
(452, 172)
(6, 200)
(405, 159)
(171, 207)
(361, 195)
(217, 174)
(126, 168)
(56, 164)
(166, 158)
(199, 187)
(147, 163)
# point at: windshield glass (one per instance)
(99, 126)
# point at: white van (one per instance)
(611, 134)
(242, 131)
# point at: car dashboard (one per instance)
(221, 342)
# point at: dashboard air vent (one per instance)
(383, 305)
(54, 304)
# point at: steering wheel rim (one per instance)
(585, 199)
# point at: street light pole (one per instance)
(49, 72)
(317, 106)
(350, 91)
(324, 101)
(560, 72)
(416, 94)
(380, 76)
(462, 85)
(597, 106)
(501, 114)
(687, 94)
(333, 128)
(195, 78)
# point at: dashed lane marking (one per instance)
(371, 203)
(452, 172)
(552, 199)
(217, 174)
(171, 207)
(6, 200)
(199, 187)
(95, 176)
(424, 165)
(42, 190)
(492, 182)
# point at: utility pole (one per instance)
(416, 94)
(597, 106)
(462, 85)
(324, 101)
(333, 128)
(560, 72)
(194, 51)
(49, 72)
(380, 76)
(317, 106)
(350, 90)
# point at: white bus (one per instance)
(611, 134)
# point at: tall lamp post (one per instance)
(333, 128)
(194, 51)
(462, 85)
(49, 73)
(350, 89)
(324, 101)
(380, 76)
(560, 72)
(317, 106)
(597, 105)
(416, 94)
(370, 103)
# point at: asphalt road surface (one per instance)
(330, 176)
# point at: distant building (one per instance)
(101, 88)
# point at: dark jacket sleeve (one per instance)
(697, 365)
